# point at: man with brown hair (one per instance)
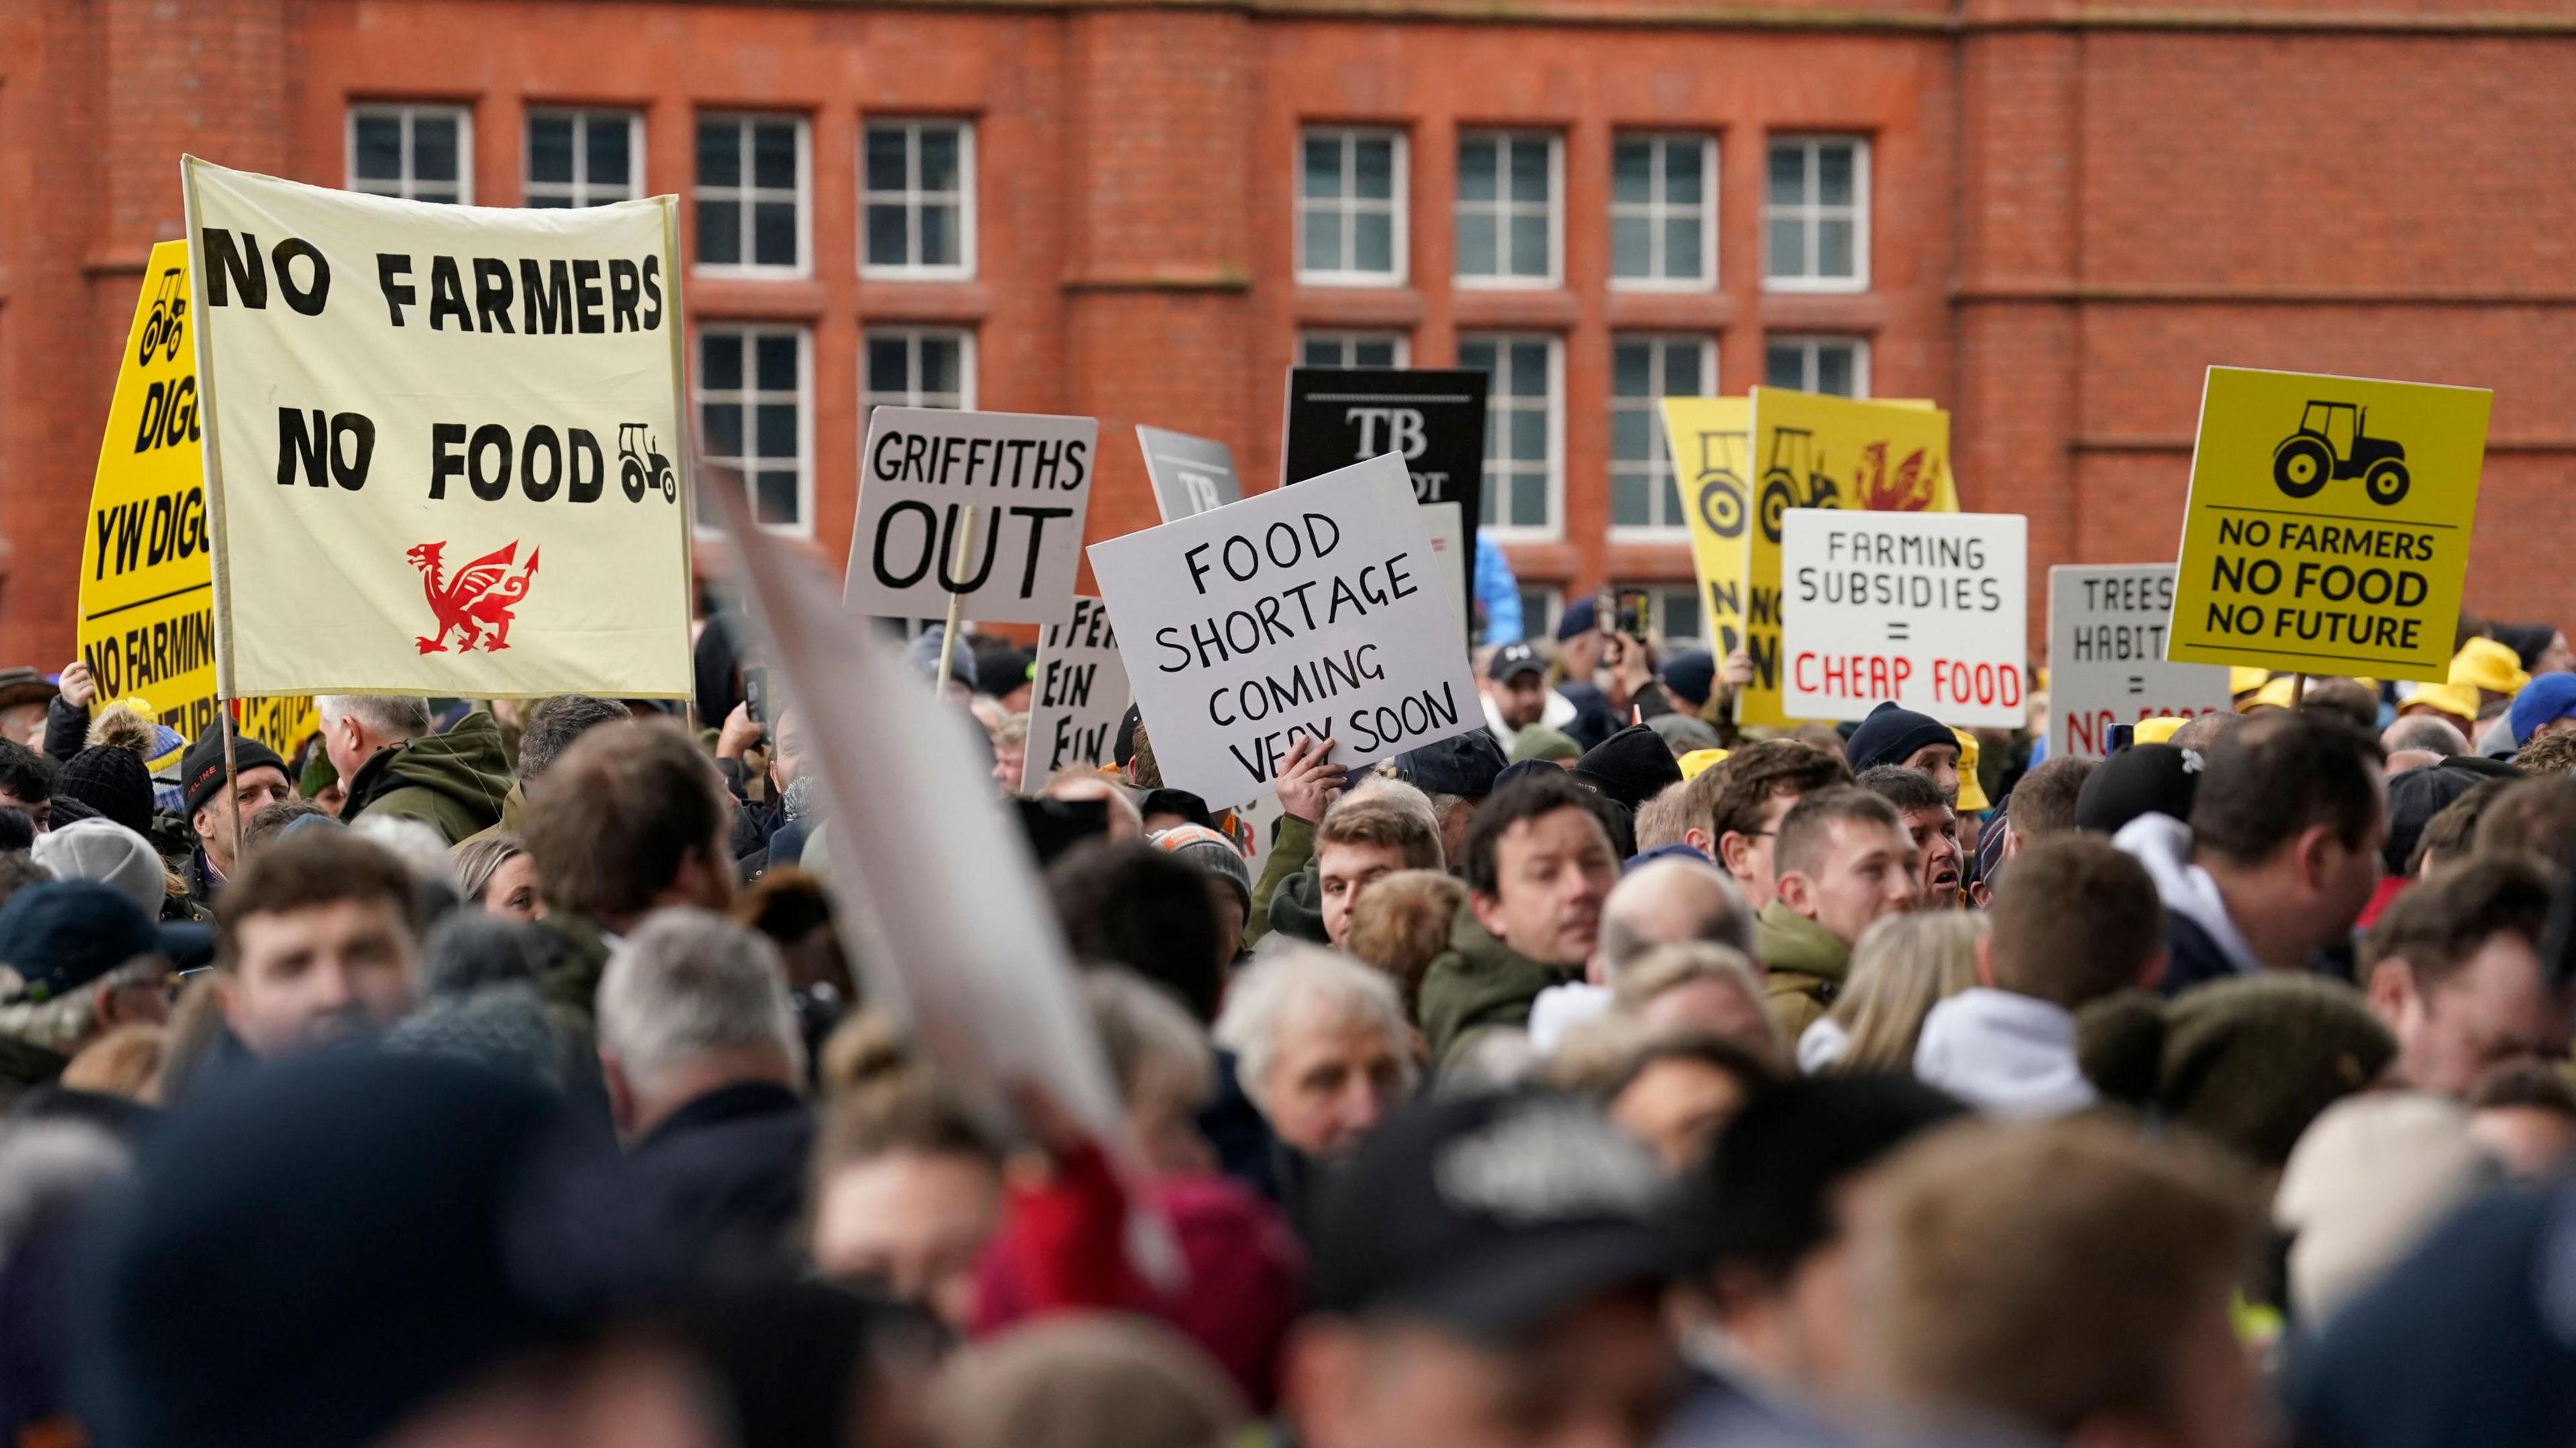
(2069, 1281)
(2453, 969)
(2076, 920)
(1844, 862)
(2533, 817)
(315, 939)
(1734, 808)
(2043, 804)
(1367, 834)
(632, 818)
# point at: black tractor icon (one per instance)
(640, 469)
(1794, 478)
(1720, 483)
(2333, 443)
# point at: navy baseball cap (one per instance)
(1513, 660)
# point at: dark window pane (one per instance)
(611, 157)
(939, 364)
(886, 238)
(379, 148)
(1323, 235)
(1681, 172)
(777, 502)
(1632, 369)
(777, 358)
(1629, 500)
(1629, 431)
(720, 233)
(1682, 249)
(1787, 253)
(1320, 352)
(939, 166)
(1529, 246)
(1834, 371)
(720, 358)
(1632, 171)
(1681, 612)
(1788, 175)
(723, 422)
(939, 235)
(433, 148)
(1681, 372)
(1529, 499)
(1373, 354)
(1477, 256)
(1476, 356)
(1671, 516)
(1529, 369)
(773, 233)
(1529, 170)
(1630, 247)
(442, 194)
(1784, 365)
(1834, 249)
(1373, 242)
(885, 158)
(773, 155)
(1323, 178)
(1374, 169)
(1479, 169)
(719, 153)
(549, 203)
(1529, 435)
(888, 371)
(550, 148)
(776, 425)
(1834, 175)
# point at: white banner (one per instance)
(1028, 478)
(1316, 610)
(2106, 656)
(444, 446)
(1926, 609)
(1077, 695)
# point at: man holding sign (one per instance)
(1309, 612)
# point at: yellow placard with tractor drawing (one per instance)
(2327, 531)
(147, 581)
(1812, 451)
(1707, 438)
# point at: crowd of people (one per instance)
(506, 1072)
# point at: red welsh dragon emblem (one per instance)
(479, 597)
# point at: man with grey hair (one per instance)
(549, 728)
(2429, 732)
(699, 1048)
(1323, 1049)
(391, 764)
(1670, 901)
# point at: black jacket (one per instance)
(724, 1176)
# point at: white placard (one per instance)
(2106, 656)
(1316, 610)
(1077, 695)
(1029, 477)
(1926, 609)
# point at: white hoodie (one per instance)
(2005, 1054)
(1558, 713)
(2163, 844)
(1560, 1008)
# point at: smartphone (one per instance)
(1629, 611)
(755, 692)
(2122, 737)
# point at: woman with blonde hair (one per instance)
(1903, 967)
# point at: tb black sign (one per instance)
(1434, 419)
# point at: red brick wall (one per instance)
(2070, 221)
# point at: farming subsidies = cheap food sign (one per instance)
(2327, 531)
(1028, 477)
(2106, 656)
(444, 446)
(147, 585)
(1078, 693)
(1926, 609)
(1312, 611)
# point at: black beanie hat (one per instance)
(2419, 794)
(1891, 734)
(201, 772)
(1631, 766)
(113, 782)
(2146, 779)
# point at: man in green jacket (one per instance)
(394, 767)
(1845, 861)
(1539, 864)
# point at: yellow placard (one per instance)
(2327, 531)
(1706, 438)
(1813, 451)
(146, 625)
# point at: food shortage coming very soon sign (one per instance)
(1925, 609)
(1028, 478)
(1077, 696)
(2106, 657)
(444, 446)
(1312, 611)
(2327, 530)
(147, 617)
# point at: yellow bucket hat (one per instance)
(2486, 664)
(2460, 701)
(2156, 731)
(1972, 793)
(1696, 763)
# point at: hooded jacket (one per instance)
(2202, 943)
(1803, 966)
(453, 782)
(1478, 983)
(2003, 1053)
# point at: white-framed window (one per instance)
(756, 416)
(420, 153)
(754, 175)
(1524, 429)
(1673, 612)
(1509, 223)
(1815, 215)
(1663, 212)
(1540, 604)
(1643, 370)
(584, 157)
(916, 367)
(1350, 206)
(1837, 366)
(918, 214)
(1353, 349)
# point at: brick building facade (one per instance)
(2049, 217)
